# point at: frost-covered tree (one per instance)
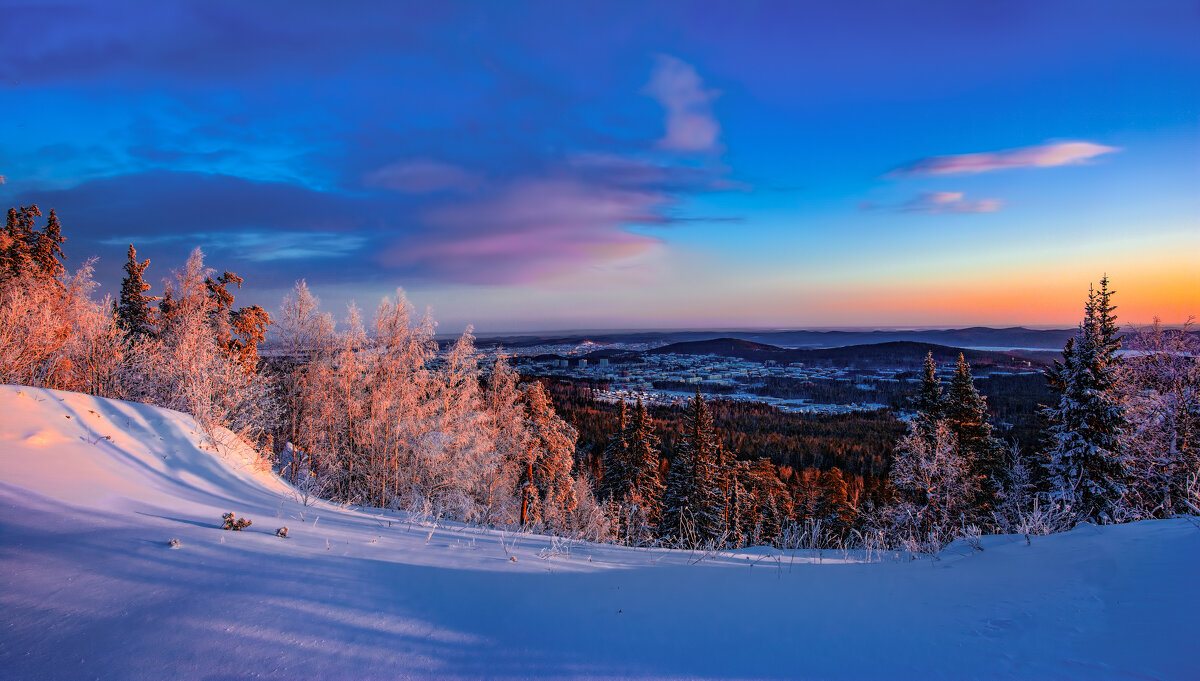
(239, 331)
(614, 483)
(966, 415)
(693, 506)
(134, 314)
(929, 400)
(465, 440)
(186, 367)
(383, 419)
(1082, 457)
(504, 410)
(1160, 388)
(643, 475)
(933, 483)
(20, 236)
(547, 489)
(53, 333)
(26, 251)
(304, 331)
(46, 249)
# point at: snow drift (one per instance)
(91, 490)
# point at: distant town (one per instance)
(633, 372)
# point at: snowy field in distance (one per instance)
(91, 490)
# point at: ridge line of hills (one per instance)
(970, 337)
(866, 355)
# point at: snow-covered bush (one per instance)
(235, 524)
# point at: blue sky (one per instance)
(526, 166)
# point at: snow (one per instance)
(93, 489)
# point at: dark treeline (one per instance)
(1013, 399)
(860, 444)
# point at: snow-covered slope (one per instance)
(93, 489)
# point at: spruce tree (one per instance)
(249, 326)
(46, 248)
(692, 503)
(1083, 439)
(16, 261)
(928, 401)
(547, 486)
(768, 502)
(967, 418)
(644, 479)
(739, 506)
(133, 306)
(167, 309)
(833, 507)
(615, 482)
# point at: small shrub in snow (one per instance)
(282, 532)
(973, 535)
(239, 524)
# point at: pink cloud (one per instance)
(531, 230)
(1040, 156)
(691, 125)
(949, 202)
(422, 176)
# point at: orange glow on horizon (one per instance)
(1171, 294)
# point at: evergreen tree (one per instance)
(249, 326)
(692, 503)
(1085, 427)
(966, 416)
(768, 503)
(46, 248)
(928, 401)
(133, 307)
(218, 290)
(833, 507)
(643, 477)
(614, 484)
(728, 491)
(16, 259)
(739, 504)
(27, 252)
(167, 309)
(547, 487)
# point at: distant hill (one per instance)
(971, 337)
(898, 354)
(725, 347)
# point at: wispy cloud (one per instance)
(691, 125)
(532, 229)
(1039, 156)
(949, 202)
(933, 203)
(423, 176)
(256, 246)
